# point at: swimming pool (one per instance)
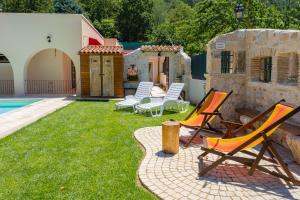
(9, 104)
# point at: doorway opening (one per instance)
(158, 71)
(50, 72)
(6, 77)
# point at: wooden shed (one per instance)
(101, 70)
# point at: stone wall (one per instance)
(250, 88)
(284, 48)
(228, 82)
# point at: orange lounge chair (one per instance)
(228, 147)
(206, 110)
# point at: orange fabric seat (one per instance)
(227, 148)
(212, 103)
(228, 145)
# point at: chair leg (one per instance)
(212, 166)
(205, 153)
(187, 144)
(161, 110)
(255, 155)
(258, 158)
(134, 108)
(281, 163)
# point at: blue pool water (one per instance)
(9, 105)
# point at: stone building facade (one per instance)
(261, 67)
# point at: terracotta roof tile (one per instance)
(157, 48)
(97, 49)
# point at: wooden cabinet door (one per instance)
(108, 76)
(95, 76)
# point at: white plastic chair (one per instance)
(143, 91)
(157, 106)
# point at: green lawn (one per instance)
(84, 151)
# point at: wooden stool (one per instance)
(170, 136)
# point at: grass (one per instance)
(83, 151)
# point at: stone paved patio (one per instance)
(175, 176)
(21, 117)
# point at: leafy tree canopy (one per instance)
(134, 20)
(67, 6)
(191, 23)
(26, 6)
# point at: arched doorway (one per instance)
(6, 77)
(50, 72)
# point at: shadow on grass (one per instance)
(146, 114)
(92, 100)
(125, 110)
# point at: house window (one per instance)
(288, 68)
(226, 62)
(266, 70)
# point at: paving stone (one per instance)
(176, 177)
(192, 196)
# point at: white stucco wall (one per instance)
(197, 90)
(23, 35)
(89, 31)
(48, 65)
(6, 72)
(179, 65)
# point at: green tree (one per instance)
(261, 15)
(106, 27)
(100, 9)
(176, 26)
(134, 20)
(217, 17)
(26, 6)
(159, 11)
(67, 6)
(102, 14)
(290, 10)
(211, 18)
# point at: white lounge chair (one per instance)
(157, 106)
(143, 91)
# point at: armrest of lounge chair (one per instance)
(230, 127)
(211, 113)
(232, 124)
(233, 128)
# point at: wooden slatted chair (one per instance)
(205, 111)
(228, 147)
